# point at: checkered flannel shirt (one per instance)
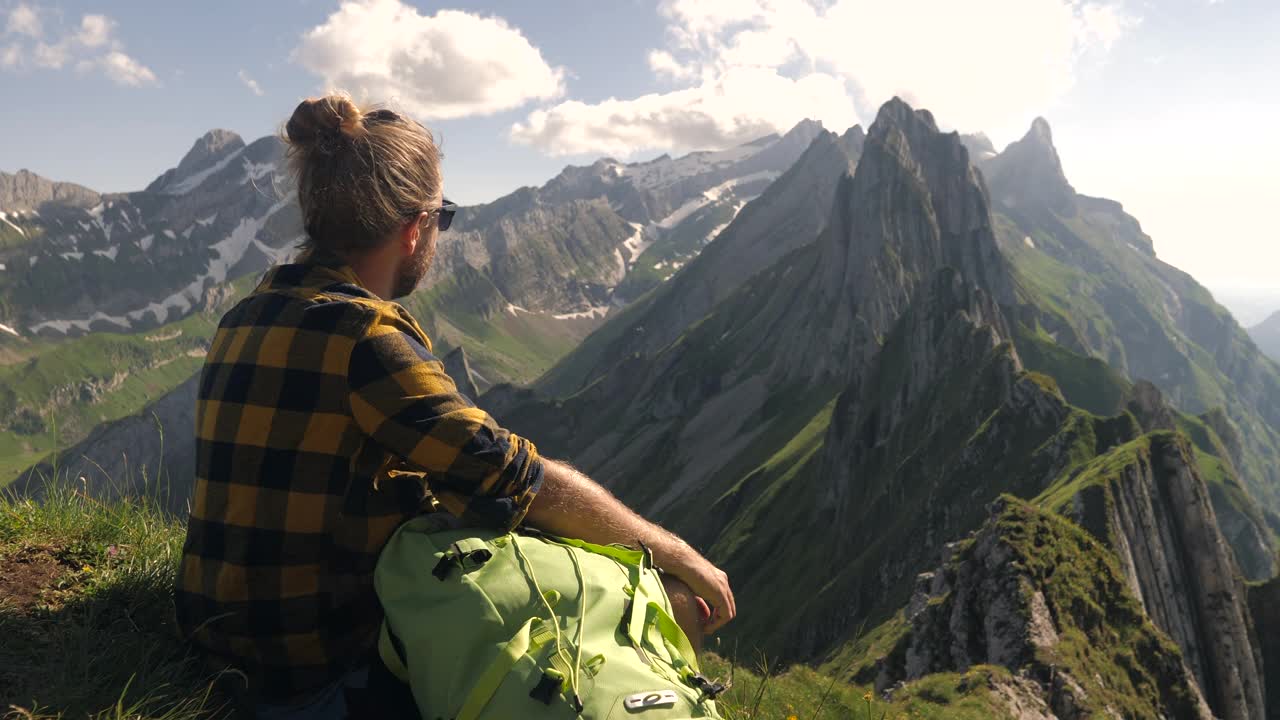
(322, 423)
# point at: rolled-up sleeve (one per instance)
(402, 398)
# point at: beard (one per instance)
(413, 268)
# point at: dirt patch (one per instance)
(27, 574)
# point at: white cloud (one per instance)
(95, 30)
(981, 64)
(448, 65)
(250, 83)
(11, 57)
(51, 56)
(664, 63)
(742, 104)
(24, 20)
(92, 45)
(124, 70)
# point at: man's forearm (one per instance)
(572, 505)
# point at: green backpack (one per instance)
(489, 625)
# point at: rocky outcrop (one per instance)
(1029, 172)
(1032, 593)
(459, 368)
(1153, 509)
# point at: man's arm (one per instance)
(572, 505)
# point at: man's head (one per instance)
(369, 186)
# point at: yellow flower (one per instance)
(867, 696)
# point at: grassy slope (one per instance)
(87, 615)
(1096, 294)
(60, 389)
(504, 345)
(45, 383)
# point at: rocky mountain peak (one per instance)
(214, 147)
(211, 147)
(1029, 172)
(914, 206)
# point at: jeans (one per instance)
(328, 703)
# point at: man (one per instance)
(324, 421)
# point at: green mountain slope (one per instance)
(832, 424)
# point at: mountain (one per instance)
(787, 216)
(1031, 592)
(25, 192)
(107, 301)
(904, 347)
(138, 260)
(1266, 335)
(878, 387)
(1097, 288)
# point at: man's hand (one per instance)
(709, 583)
(572, 505)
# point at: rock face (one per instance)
(1264, 604)
(26, 191)
(215, 146)
(1156, 514)
(789, 215)
(1034, 594)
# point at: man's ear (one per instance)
(410, 235)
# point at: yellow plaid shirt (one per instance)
(322, 423)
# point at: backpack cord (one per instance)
(582, 623)
(572, 663)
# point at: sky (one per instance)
(1169, 106)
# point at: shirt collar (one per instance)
(313, 270)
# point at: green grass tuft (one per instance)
(86, 612)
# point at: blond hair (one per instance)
(360, 174)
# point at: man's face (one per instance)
(413, 268)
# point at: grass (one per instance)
(802, 693)
(87, 615)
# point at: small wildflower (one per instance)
(87, 568)
(112, 551)
(867, 696)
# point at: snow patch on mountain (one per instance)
(597, 311)
(664, 170)
(227, 253)
(195, 180)
(711, 195)
(637, 243)
(5, 219)
(256, 171)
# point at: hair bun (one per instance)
(331, 116)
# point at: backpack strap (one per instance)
(492, 677)
(391, 652)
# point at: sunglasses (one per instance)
(444, 214)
